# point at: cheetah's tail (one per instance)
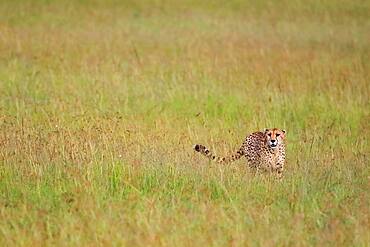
(222, 160)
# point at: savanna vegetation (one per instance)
(101, 102)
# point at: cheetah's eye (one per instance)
(269, 134)
(277, 135)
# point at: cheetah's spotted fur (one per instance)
(263, 150)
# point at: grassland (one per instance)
(101, 102)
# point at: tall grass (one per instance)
(101, 102)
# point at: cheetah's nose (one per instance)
(273, 141)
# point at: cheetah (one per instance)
(264, 150)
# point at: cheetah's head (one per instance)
(274, 137)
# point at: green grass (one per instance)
(101, 102)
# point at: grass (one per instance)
(101, 102)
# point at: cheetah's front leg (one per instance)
(279, 170)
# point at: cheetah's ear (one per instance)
(266, 130)
(284, 133)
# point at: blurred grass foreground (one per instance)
(101, 102)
